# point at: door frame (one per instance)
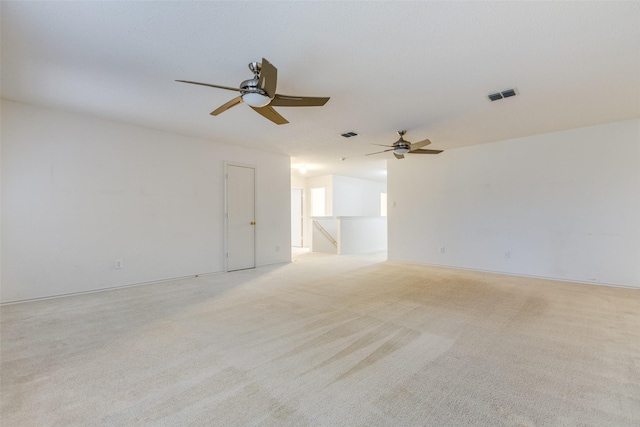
(226, 209)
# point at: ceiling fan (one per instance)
(402, 147)
(260, 93)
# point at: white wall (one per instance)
(298, 182)
(358, 234)
(563, 205)
(80, 192)
(356, 197)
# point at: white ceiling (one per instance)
(422, 66)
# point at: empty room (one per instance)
(320, 213)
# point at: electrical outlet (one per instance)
(442, 249)
(507, 254)
(277, 248)
(119, 264)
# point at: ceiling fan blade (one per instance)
(425, 151)
(378, 152)
(210, 85)
(271, 114)
(268, 78)
(419, 144)
(382, 145)
(399, 156)
(225, 107)
(298, 101)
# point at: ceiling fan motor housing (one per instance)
(401, 147)
(252, 94)
(251, 85)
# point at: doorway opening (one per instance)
(297, 217)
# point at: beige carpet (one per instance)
(327, 341)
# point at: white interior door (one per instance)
(240, 217)
(296, 217)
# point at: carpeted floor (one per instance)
(327, 341)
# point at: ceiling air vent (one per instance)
(348, 134)
(504, 94)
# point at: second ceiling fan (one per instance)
(402, 147)
(260, 93)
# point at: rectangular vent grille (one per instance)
(348, 134)
(504, 94)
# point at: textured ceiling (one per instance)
(422, 66)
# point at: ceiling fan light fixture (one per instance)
(401, 150)
(256, 99)
(260, 92)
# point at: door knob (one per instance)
(253, 223)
